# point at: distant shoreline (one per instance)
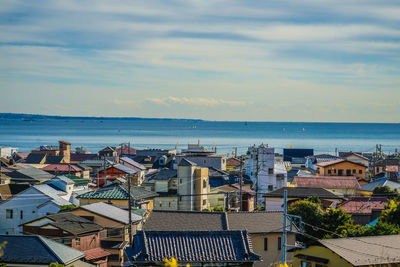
(26, 116)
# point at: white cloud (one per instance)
(195, 101)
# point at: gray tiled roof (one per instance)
(111, 212)
(185, 220)
(186, 162)
(192, 246)
(37, 250)
(302, 192)
(134, 163)
(366, 251)
(256, 222)
(30, 174)
(72, 223)
(125, 169)
(165, 174)
(34, 158)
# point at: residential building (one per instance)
(228, 197)
(203, 158)
(117, 195)
(364, 210)
(264, 228)
(355, 157)
(340, 185)
(29, 175)
(165, 185)
(64, 169)
(354, 251)
(296, 153)
(367, 189)
(216, 248)
(126, 151)
(22, 250)
(274, 199)
(116, 222)
(154, 152)
(217, 177)
(109, 153)
(7, 152)
(115, 171)
(53, 154)
(138, 178)
(233, 164)
(30, 204)
(342, 167)
(68, 229)
(79, 157)
(388, 168)
(7, 191)
(266, 173)
(193, 186)
(312, 161)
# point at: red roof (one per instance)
(327, 182)
(96, 253)
(233, 162)
(126, 151)
(62, 168)
(364, 205)
(337, 161)
(244, 189)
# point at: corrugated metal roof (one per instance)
(134, 163)
(52, 193)
(327, 182)
(363, 205)
(366, 251)
(192, 246)
(111, 212)
(37, 250)
(380, 182)
(125, 169)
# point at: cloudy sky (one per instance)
(308, 60)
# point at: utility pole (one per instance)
(241, 184)
(130, 211)
(104, 171)
(257, 170)
(284, 228)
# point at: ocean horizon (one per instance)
(29, 131)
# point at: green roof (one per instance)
(77, 179)
(116, 191)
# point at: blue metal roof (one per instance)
(191, 246)
(37, 250)
(380, 182)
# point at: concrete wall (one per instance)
(272, 254)
(320, 252)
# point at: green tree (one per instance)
(332, 219)
(55, 264)
(385, 191)
(311, 214)
(391, 214)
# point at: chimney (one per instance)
(65, 150)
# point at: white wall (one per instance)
(28, 203)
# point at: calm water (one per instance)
(94, 134)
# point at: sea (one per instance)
(27, 132)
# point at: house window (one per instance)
(354, 170)
(340, 172)
(270, 170)
(21, 214)
(160, 204)
(360, 171)
(348, 172)
(204, 183)
(265, 244)
(169, 204)
(180, 181)
(279, 243)
(270, 187)
(305, 264)
(329, 171)
(9, 213)
(78, 241)
(334, 170)
(204, 202)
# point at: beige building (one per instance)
(193, 186)
(263, 228)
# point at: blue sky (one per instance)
(311, 60)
